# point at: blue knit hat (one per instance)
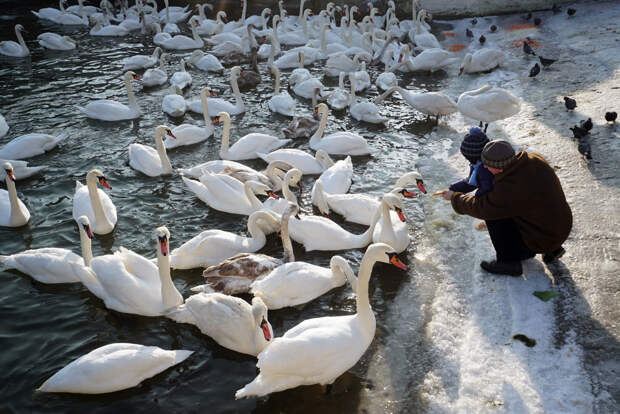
(473, 144)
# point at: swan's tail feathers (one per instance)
(262, 385)
(55, 141)
(181, 314)
(263, 156)
(6, 261)
(203, 289)
(81, 109)
(36, 14)
(181, 355)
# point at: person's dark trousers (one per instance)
(507, 240)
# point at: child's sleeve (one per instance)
(485, 182)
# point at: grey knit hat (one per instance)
(498, 154)
(473, 143)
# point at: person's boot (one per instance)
(503, 268)
(553, 256)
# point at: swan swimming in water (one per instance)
(109, 110)
(52, 264)
(14, 49)
(30, 145)
(319, 350)
(13, 212)
(152, 162)
(55, 41)
(93, 203)
(111, 368)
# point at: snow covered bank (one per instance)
(462, 333)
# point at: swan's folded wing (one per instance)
(138, 265)
(144, 159)
(48, 265)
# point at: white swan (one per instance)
(4, 127)
(52, 264)
(156, 76)
(93, 203)
(280, 102)
(319, 350)
(111, 368)
(174, 14)
(482, 60)
(13, 212)
(80, 8)
(182, 78)
(248, 146)
(130, 283)
(181, 42)
(299, 74)
(488, 104)
(217, 105)
(107, 30)
(344, 143)
(301, 160)
(340, 62)
(225, 193)
(109, 110)
(141, 61)
(271, 176)
(362, 78)
(334, 180)
(55, 41)
(14, 49)
(188, 134)
(21, 169)
(387, 79)
(212, 246)
(339, 98)
(49, 12)
(30, 145)
(174, 103)
(296, 283)
(205, 61)
(429, 103)
(150, 161)
(229, 320)
(309, 88)
(392, 229)
(361, 109)
(209, 27)
(360, 208)
(160, 37)
(429, 60)
(422, 38)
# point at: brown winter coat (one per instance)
(529, 192)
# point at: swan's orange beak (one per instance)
(265, 327)
(396, 261)
(225, 19)
(408, 194)
(401, 216)
(88, 231)
(136, 77)
(104, 183)
(420, 184)
(212, 93)
(215, 120)
(372, 21)
(461, 71)
(170, 134)
(10, 175)
(163, 244)
(273, 195)
(400, 58)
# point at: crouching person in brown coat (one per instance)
(526, 212)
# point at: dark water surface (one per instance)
(45, 327)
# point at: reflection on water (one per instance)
(44, 327)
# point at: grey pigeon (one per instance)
(570, 103)
(535, 70)
(611, 116)
(578, 132)
(527, 49)
(546, 62)
(482, 39)
(587, 124)
(493, 28)
(585, 149)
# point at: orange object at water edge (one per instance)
(449, 34)
(515, 27)
(519, 43)
(456, 47)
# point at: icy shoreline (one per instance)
(464, 332)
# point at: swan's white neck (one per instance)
(243, 12)
(319, 133)
(101, 220)
(324, 39)
(201, 12)
(367, 235)
(61, 6)
(289, 255)
(166, 167)
(249, 193)
(20, 39)
(85, 243)
(258, 235)
(236, 91)
(169, 294)
(205, 111)
(301, 8)
(195, 34)
(364, 311)
(132, 98)
(18, 217)
(225, 137)
(276, 88)
(287, 193)
(386, 221)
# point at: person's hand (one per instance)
(446, 194)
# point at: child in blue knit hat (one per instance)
(479, 177)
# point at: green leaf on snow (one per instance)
(545, 295)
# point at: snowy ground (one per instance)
(462, 333)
